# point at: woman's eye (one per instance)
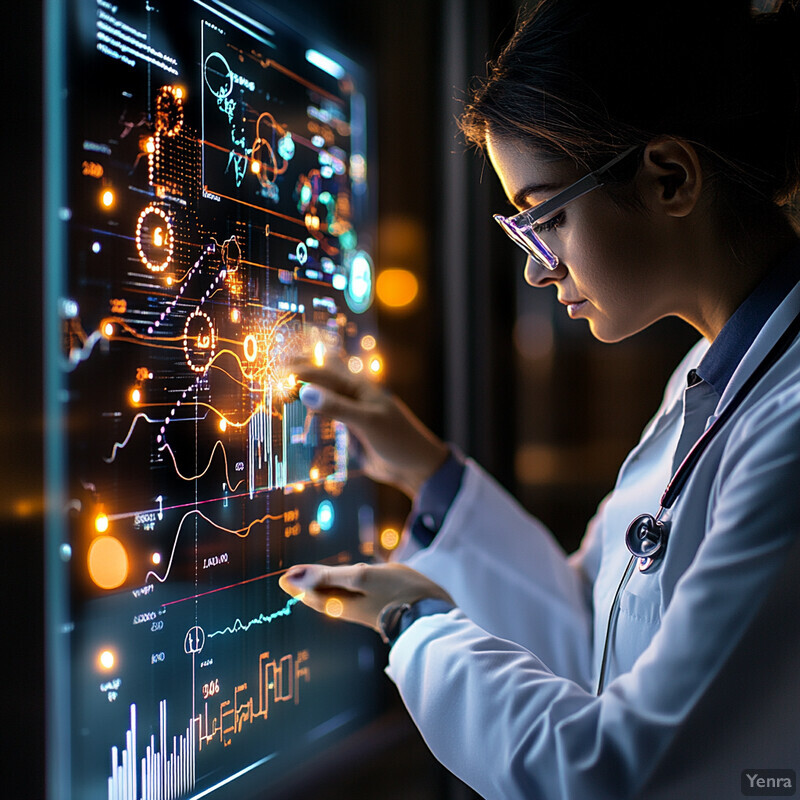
(550, 224)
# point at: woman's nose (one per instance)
(536, 274)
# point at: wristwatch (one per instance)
(389, 621)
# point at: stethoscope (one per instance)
(647, 536)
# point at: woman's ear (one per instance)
(671, 177)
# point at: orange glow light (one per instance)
(156, 558)
(108, 329)
(106, 659)
(313, 528)
(107, 562)
(250, 347)
(101, 523)
(319, 354)
(136, 396)
(397, 288)
(314, 474)
(376, 365)
(390, 538)
(107, 198)
(223, 424)
(298, 487)
(255, 166)
(368, 342)
(334, 607)
(150, 145)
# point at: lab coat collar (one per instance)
(769, 333)
(741, 330)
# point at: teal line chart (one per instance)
(261, 619)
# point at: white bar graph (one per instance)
(161, 775)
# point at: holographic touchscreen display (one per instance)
(218, 226)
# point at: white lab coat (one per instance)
(503, 688)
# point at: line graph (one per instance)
(240, 532)
(261, 619)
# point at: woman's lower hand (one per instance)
(398, 448)
(358, 592)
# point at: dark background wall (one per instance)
(484, 360)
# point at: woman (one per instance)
(648, 149)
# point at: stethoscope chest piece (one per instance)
(646, 539)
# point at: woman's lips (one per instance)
(575, 307)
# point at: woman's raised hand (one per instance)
(398, 448)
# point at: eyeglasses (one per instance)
(524, 228)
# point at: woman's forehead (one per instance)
(527, 173)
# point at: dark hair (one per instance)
(584, 79)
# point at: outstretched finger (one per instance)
(334, 376)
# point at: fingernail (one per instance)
(310, 396)
(295, 573)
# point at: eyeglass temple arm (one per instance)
(578, 189)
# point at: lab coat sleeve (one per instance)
(506, 572)
(503, 720)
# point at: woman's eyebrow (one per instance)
(525, 192)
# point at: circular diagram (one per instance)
(155, 240)
(217, 73)
(199, 341)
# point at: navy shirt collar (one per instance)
(739, 332)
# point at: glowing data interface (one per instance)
(218, 229)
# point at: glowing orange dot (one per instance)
(298, 487)
(178, 93)
(397, 288)
(313, 528)
(136, 396)
(314, 474)
(156, 558)
(108, 329)
(319, 354)
(255, 166)
(368, 342)
(334, 607)
(235, 316)
(101, 523)
(223, 424)
(107, 198)
(107, 562)
(375, 365)
(150, 145)
(390, 538)
(250, 347)
(169, 281)
(106, 659)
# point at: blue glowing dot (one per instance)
(286, 147)
(65, 551)
(339, 282)
(359, 284)
(96, 248)
(305, 194)
(325, 198)
(69, 308)
(348, 239)
(325, 515)
(326, 171)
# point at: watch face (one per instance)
(390, 619)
